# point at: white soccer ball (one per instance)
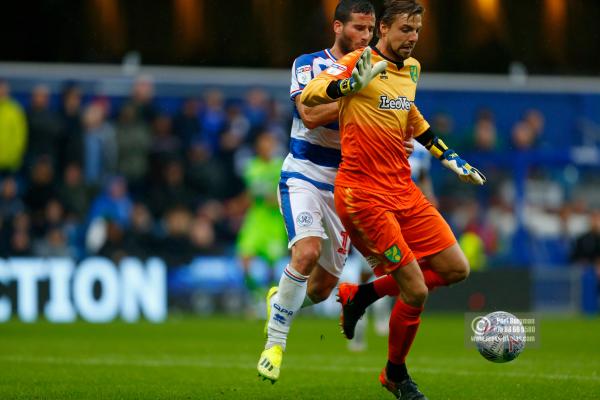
(499, 336)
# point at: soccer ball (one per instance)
(499, 336)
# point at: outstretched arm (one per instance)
(450, 159)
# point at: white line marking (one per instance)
(223, 364)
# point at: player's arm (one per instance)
(337, 81)
(437, 148)
(450, 159)
(319, 115)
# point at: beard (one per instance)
(345, 45)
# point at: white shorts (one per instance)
(310, 212)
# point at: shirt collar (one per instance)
(398, 65)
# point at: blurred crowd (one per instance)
(80, 176)
(559, 201)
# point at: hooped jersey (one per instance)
(314, 153)
(420, 161)
(373, 123)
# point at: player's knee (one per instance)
(464, 271)
(318, 294)
(416, 296)
(460, 272)
(305, 257)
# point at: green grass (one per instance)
(215, 358)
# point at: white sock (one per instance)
(285, 305)
(359, 342)
(307, 302)
(381, 312)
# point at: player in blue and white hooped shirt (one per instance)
(316, 236)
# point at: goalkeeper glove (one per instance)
(363, 73)
(465, 172)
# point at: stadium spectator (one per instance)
(238, 126)
(226, 218)
(70, 115)
(41, 188)
(54, 215)
(228, 155)
(46, 131)
(202, 236)
(20, 236)
(4, 233)
(176, 249)
(140, 240)
(213, 119)
(133, 143)
(523, 136)
(165, 145)
(206, 174)
(10, 202)
(279, 123)
(114, 246)
(142, 99)
(479, 234)
(113, 204)
(53, 244)
(257, 110)
(586, 249)
(537, 122)
(99, 145)
(171, 191)
(13, 131)
(485, 133)
(443, 123)
(186, 124)
(74, 193)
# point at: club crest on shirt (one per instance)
(414, 73)
(399, 103)
(393, 254)
(303, 74)
(304, 219)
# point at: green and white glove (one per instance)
(363, 73)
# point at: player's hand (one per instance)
(363, 73)
(465, 172)
(409, 147)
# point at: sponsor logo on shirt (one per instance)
(400, 103)
(336, 69)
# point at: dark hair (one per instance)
(393, 8)
(346, 7)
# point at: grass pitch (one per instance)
(215, 358)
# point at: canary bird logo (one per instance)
(393, 254)
(414, 73)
